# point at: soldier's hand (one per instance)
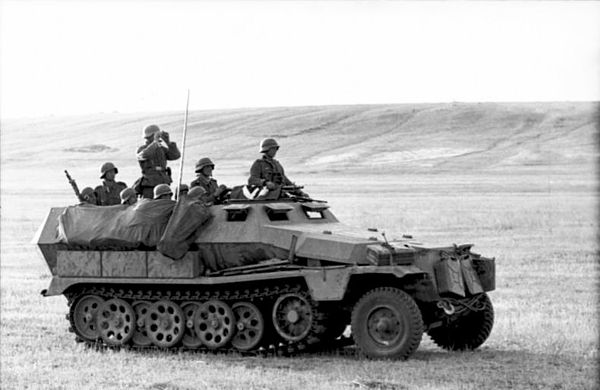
(164, 135)
(270, 185)
(162, 143)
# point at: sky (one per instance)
(70, 58)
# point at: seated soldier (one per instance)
(268, 172)
(88, 196)
(162, 191)
(128, 196)
(204, 169)
(183, 190)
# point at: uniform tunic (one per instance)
(267, 169)
(153, 161)
(208, 183)
(108, 193)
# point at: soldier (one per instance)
(267, 171)
(183, 190)
(88, 196)
(128, 196)
(162, 191)
(153, 157)
(107, 194)
(204, 169)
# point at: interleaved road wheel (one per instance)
(116, 322)
(387, 323)
(165, 323)
(83, 314)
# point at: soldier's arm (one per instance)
(145, 152)
(284, 178)
(173, 152)
(255, 178)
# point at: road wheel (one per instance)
(214, 323)
(387, 323)
(116, 322)
(165, 323)
(250, 326)
(469, 330)
(140, 336)
(83, 316)
(190, 338)
(292, 316)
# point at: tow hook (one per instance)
(447, 307)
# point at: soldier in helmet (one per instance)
(88, 196)
(268, 172)
(153, 157)
(204, 169)
(128, 196)
(183, 190)
(162, 191)
(107, 194)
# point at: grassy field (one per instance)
(518, 181)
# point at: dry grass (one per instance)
(540, 223)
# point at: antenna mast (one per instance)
(187, 104)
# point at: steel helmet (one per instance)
(267, 144)
(162, 189)
(107, 166)
(87, 191)
(203, 162)
(127, 194)
(183, 188)
(196, 192)
(150, 130)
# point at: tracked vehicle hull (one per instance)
(279, 273)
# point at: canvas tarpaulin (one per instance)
(163, 224)
(115, 227)
(183, 227)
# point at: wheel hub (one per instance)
(383, 325)
(293, 316)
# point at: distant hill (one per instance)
(361, 139)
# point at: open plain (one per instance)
(519, 181)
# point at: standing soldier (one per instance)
(268, 172)
(153, 156)
(107, 194)
(204, 169)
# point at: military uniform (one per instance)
(209, 184)
(153, 161)
(267, 169)
(108, 193)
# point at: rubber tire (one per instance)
(468, 332)
(404, 308)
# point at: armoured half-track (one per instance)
(281, 273)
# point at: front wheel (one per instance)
(387, 324)
(469, 330)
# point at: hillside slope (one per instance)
(369, 139)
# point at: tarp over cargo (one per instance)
(115, 227)
(183, 227)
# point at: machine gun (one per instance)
(74, 185)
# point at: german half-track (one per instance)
(299, 279)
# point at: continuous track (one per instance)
(263, 296)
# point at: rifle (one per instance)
(74, 185)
